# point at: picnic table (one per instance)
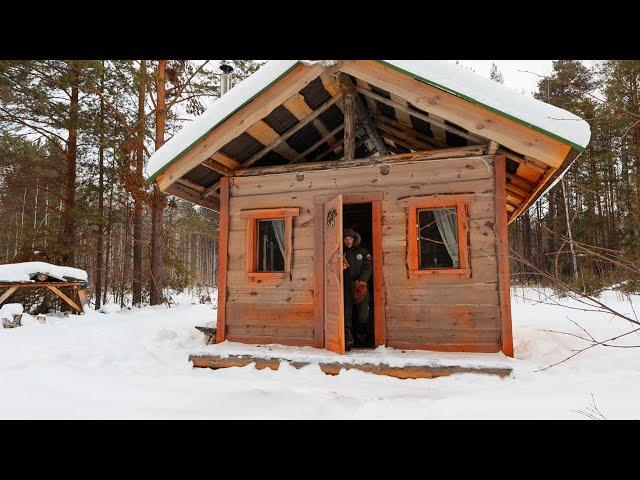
(76, 301)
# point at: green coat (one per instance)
(360, 265)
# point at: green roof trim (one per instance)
(580, 148)
(154, 175)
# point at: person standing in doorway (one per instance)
(357, 267)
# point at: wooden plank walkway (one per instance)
(333, 368)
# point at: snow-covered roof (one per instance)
(547, 119)
(23, 272)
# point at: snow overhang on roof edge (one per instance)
(469, 86)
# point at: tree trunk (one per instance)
(100, 243)
(109, 242)
(569, 233)
(67, 232)
(158, 197)
(137, 187)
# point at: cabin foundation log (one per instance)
(333, 368)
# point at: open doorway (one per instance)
(358, 216)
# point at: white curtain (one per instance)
(446, 222)
(278, 230)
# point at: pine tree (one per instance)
(495, 74)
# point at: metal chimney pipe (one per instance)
(225, 78)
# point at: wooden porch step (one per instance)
(333, 368)
(209, 334)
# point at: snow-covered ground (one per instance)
(133, 364)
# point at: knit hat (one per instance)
(350, 232)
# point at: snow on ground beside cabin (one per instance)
(133, 364)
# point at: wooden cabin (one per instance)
(428, 161)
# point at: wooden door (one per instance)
(333, 293)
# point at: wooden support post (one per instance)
(380, 326)
(82, 297)
(58, 292)
(223, 259)
(318, 274)
(349, 96)
(363, 116)
(7, 294)
(502, 253)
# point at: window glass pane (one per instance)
(438, 238)
(270, 245)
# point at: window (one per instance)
(269, 242)
(437, 237)
(270, 245)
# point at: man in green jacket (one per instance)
(357, 269)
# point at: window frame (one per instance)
(460, 203)
(252, 217)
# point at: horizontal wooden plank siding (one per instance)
(435, 312)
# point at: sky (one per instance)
(516, 72)
(513, 72)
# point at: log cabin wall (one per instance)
(436, 312)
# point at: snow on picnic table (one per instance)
(133, 364)
(20, 272)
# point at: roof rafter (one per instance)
(421, 116)
(277, 141)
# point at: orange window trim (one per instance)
(413, 254)
(252, 217)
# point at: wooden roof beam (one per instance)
(337, 148)
(453, 152)
(292, 131)
(404, 135)
(299, 108)
(317, 144)
(410, 131)
(289, 133)
(263, 104)
(473, 117)
(225, 160)
(192, 185)
(520, 181)
(182, 190)
(264, 134)
(403, 142)
(421, 116)
(364, 117)
(217, 167)
(534, 165)
(512, 187)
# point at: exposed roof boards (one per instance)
(547, 119)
